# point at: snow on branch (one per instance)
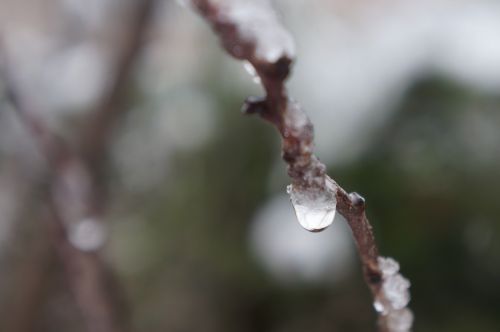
(250, 31)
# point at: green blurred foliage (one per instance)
(432, 200)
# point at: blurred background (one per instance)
(405, 98)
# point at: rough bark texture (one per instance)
(277, 107)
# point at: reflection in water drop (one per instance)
(315, 209)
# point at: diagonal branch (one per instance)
(74, 205)
(250, 31)
(96, 134)
(69, 192)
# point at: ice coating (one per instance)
(396, 291)
(400, 320)
(379, 307)
(257, 23)
(251, 70)
(315, 209)
(393, 297)
(388, 266)
(257, 20)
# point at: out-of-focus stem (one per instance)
(93, 284)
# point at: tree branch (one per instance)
(69, 197)
(268, 50)
(73, 194)
(96, 134)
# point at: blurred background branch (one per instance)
(73, 204)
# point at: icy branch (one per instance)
(250, 31)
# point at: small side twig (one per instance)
(253, 34)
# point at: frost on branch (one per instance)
(248, 27)
(393, 297)
(250, 31)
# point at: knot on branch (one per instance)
(357, 200)
(276, 71)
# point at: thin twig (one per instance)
(84, 270)
(96, 134)
(241, 40)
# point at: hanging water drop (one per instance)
(315, 209)
(380, 307)
(251, 70)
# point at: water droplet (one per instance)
(315, 209)
(87, 235)
(395, 290)
(251, 70)
(400, 320)
(388, 266)
(379, 307)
